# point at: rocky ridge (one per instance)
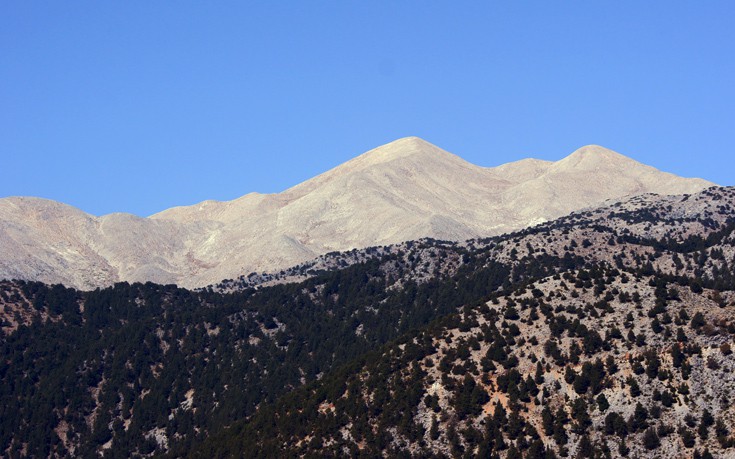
(405, 190)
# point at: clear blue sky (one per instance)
(139, 106)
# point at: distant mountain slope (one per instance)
(405, 190)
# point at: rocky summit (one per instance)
(405, 190)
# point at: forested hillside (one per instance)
(591, 363)
(625, 351)
(597, 334)
(142, 368)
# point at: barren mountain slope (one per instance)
(401, 191)
(666, 233)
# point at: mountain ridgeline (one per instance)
(405, 190)
(599, 334)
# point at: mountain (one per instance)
(611, 337)
(605, 333)
(405, 190)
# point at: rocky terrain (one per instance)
(405, 190)
(580, 371)
(600, 334)
(638, 227)
(615, 354)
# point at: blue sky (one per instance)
(139, 106)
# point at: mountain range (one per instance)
(405, 190)
(604, 333)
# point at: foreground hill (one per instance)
(624, 351)
(405, 190)
(590, 363)
(146, 369)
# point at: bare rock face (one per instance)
(405, 190)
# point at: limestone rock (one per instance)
(405, 190)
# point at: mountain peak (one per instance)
(411, 152)
(405, 154)
(595, 157)
(401, 148)
(404, 190)
(598, 151)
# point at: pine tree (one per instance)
(434, 430)
(547, 420)
(539, 377)
(638, 420)
(513, 453)
(635, 389)
(650, 439)
(584, 447)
